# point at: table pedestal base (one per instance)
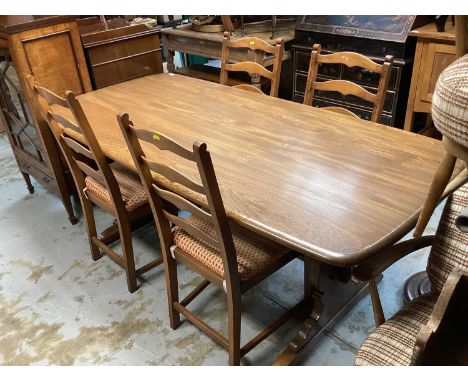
(332, 295)
(417, 285)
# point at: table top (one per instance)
(19, 23)
(430, 31)
(330, 186)
(186, 30)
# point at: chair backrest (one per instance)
(83, 160)
(443, 341)
(350, 59)
(251, 67)
(206, 194)
(450, 247)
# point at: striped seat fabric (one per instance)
(393, 342)
(450, 248)
(254, 252)
(133, 192)
(450, 102)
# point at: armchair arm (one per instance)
(373, 267)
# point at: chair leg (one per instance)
(440, 181)
(376, 304)
(88, 213)
(126, 244)
(234, 328)
(172, 288)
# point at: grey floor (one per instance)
(58, 307)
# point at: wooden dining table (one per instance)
(332, 187)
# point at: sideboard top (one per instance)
(18, 23)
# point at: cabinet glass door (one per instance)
(16, 112)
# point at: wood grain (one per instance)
(333, 187)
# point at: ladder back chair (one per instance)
(107, 185)
(350, 59)
(251, 67)
(395, 341)
(224, 254)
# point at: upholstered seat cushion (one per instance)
(393, 342)
(254, 253)
(450, 102)
(133, 192)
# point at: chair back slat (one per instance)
(51, 98)
(252, 43)
(164, 143)
(183, 204)
(88, 170)
(191, 229)
(340, 110)
(173, 175)
(350, 59)
(249, 67)
(65, 122)
(346, 88)
(78, 147)
(249, 88)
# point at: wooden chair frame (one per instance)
(89, 160)
(446, 328)
(210, 210)
(251, 67)
(350, 59)
(370, 270)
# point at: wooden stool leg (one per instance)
(234, 329)
(376, 304)
(172, 288)
(127, 251)
(90, 227)
(438, 185)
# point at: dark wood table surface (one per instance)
(330, 186)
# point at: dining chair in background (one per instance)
(225, 254)
(251, 67)
(107, 185)
(344, 87)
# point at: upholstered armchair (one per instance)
(400, 339)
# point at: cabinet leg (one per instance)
(27, 179)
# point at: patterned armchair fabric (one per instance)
(393, 342)
(450, 102)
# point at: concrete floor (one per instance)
(58, 307)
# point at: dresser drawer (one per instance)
(302, 60)
(365, 77)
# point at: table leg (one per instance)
(416, 285)
(169, 55)
(332, 294)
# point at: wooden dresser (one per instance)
(434, 52)
(49, 48)
(121, 52)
